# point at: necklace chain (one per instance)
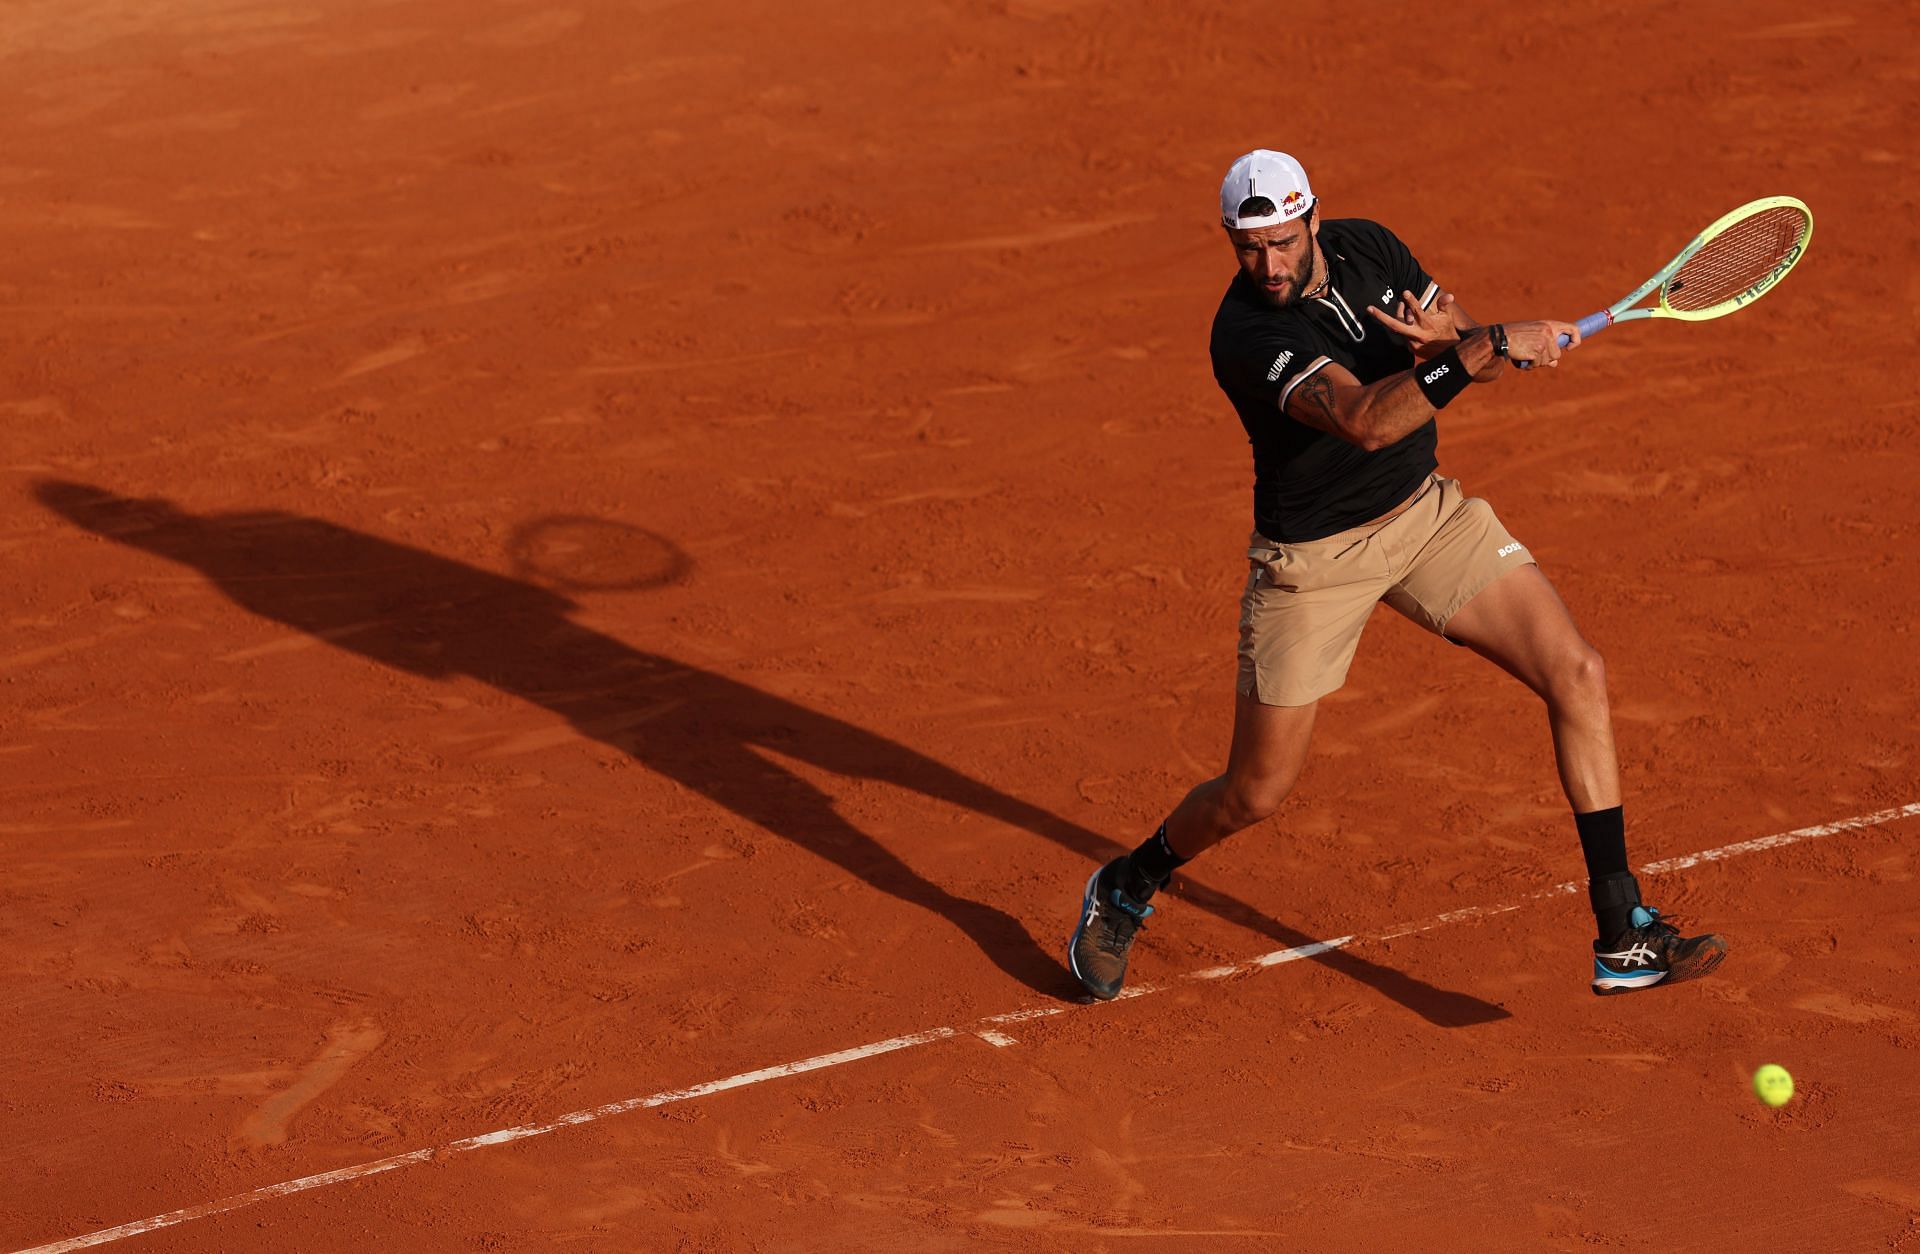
(1326, 276)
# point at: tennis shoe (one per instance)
(1652, 951)
(1109, 920)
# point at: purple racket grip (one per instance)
(1589, 326)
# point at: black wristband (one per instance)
(1441, 379)
(1499, 334)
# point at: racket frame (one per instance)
(1623, 310)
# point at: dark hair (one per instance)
(1256, 207)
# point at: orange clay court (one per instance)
(586, 583)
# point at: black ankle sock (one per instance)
(1603, 838)
(1613, 898)
(1611, 889)
(1151, 865)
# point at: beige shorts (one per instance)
(1305, 604)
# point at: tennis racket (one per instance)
(1728, 266)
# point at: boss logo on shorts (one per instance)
(1279, 366)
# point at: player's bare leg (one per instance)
(1520, 624)
(1264, 763)
(1268, 753)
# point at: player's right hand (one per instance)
(1538, 343)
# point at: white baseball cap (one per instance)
(1272, 176)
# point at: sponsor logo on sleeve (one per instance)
(1279, 366)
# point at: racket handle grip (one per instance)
(1594, 323)
(1590, 326)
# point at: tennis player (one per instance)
(1337, 350)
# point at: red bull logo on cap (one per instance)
(1290, 200)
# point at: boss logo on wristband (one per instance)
(1442, 379)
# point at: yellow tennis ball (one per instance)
(1772, 1085)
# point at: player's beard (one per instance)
(1297, 281)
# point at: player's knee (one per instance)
(1581, 677)
(1254, 798)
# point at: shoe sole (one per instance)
(1709, 954)
(1087, 902)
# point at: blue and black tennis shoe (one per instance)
(1104, 937)
(1652, 951)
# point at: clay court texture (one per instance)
(586, 584)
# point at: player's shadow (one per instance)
(434, 617)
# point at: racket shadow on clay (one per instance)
(435, 617)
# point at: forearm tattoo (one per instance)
(1316, 397)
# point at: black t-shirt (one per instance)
(1307, 483)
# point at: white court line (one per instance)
(839, 1057)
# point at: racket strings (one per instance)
(1743, 255)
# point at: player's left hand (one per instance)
(1443, 304)
(1428, 332)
